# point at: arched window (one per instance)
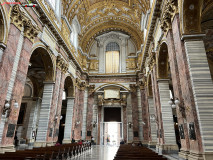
(112, 57)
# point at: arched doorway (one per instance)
(112, 117)
(40, 70)
(66, 111)
(167, 130)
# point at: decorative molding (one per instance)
(169, 10)
(20, 20)
(81, 85)
(133, 87)
(61, 64)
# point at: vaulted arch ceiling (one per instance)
(99, 16)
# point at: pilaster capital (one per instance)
(133, 87)
(169, 10)
(91, 88)
(30, 31)
(20, 20)
(80, 84)
(61, 64)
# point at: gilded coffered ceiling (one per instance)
(99, 16)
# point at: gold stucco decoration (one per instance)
(20, 20)
(167, 14)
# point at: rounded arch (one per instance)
(112, 46)
(46, 59)
(190, 16)
(3, 25)
(110, 85)
(69, 86)
(162, 62)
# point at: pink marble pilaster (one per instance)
(6, 65)
(18, 89)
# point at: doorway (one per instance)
(111, 126)
(112, 133)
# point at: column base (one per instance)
(157, 148)
(49, 144)
(40, 144)
(67, 141)
(183, 154)
(168, 149)
(4, 149)
(152, 144)
(195, 156)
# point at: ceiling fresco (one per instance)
(99, 16)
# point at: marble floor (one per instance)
(98, 153)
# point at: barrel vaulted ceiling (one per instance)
(99, 16)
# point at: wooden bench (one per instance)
(45, 153)
(129, 152)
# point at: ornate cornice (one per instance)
(154, 14)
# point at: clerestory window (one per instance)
(112, 57)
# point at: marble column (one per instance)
(44, 115)
(32, 120)
(101, 58)
(153, 126)
(84, 121)
(168, 131)
(15, 66)
(68, 122)
(129, 120)
(54, 104)
(140, 114)
(58, 109)
(123, 55)
(202, 88)
(16, 88)
(8, 61)
(95, 119)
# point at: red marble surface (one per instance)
(145, 115)
(134, 101)
(59, 104)
(7, 63)
(78, 113)
(186, 86)
(124, 124)
(99, 124)
(54, 105)
(18, 89)
(176, 86)
(157, 105)
(75, 111)
(90, 114)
